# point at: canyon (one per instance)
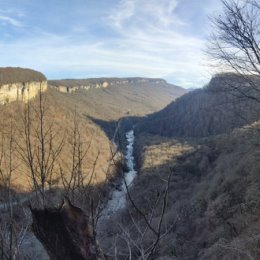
(190, 164)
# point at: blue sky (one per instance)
(106, 38)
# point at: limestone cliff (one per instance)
(18, 84)
(72, 85)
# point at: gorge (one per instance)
(197, 177)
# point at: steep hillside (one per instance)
(121, 98)
(217, 108)
(112, 98)
(61, 120)
(213, 205)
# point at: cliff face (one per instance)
(18, 84)
(72, 85)
(21, 91)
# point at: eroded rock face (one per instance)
(72, 85)
(21, 91)
(20, 84)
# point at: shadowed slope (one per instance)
(215, 109)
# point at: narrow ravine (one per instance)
(118, 197)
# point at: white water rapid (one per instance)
(118, 198)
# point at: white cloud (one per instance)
(127, 9)
(142, 14)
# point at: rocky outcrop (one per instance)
(21, 91)
(72, 85)
(65, 89)
(17, 84)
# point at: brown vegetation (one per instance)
(60, 121)
(53, 147)
(213, 203)
(10, 75)
(217, 108)
(120, 100)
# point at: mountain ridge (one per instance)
(72, 85)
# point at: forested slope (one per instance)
(217, 108)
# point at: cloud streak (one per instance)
(8, 20)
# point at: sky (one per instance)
(109, 38)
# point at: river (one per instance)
(118, 197)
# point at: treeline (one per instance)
(10, 75)
(225, 103)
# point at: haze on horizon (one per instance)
(109, 38)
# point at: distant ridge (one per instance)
(110, 81)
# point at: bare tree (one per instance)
(6, 172)
(235, 45)
(72, 174)
(12, 232)
(154, 228)
(141, 230)
(39, 148)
